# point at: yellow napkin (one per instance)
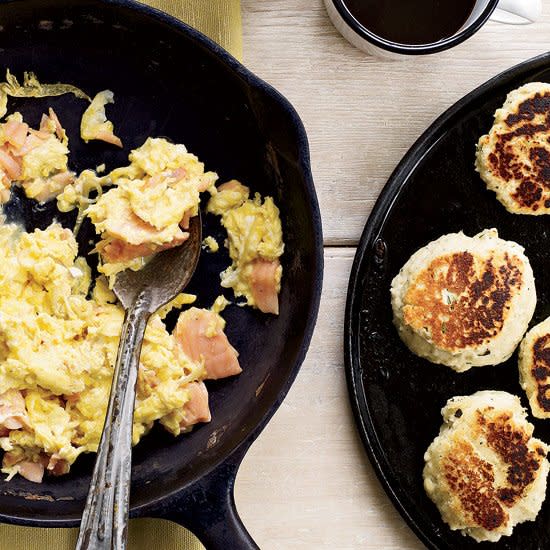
(221, 21)
(218, 19)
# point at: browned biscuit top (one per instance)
(541, 370)
(472, 479)
(530, 108)
(521, 153)
(463, 300)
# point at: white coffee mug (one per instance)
(517, 12)
(514, 12)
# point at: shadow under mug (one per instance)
(514, 12)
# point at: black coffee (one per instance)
(411, 21)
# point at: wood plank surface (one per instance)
(307, 482)
(362, 113)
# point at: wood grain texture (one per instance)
(307, 482)
(361, 113)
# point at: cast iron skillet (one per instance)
(169, 80)
(396, 396)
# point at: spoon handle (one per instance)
(104, 523)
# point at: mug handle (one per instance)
(517, 12)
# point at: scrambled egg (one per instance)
(149, 205)
(35, 159)
(38, 159)
(46, 159)
(94, 123)
(255, 239)
(210, 244)
(59, 330)
(58, 347)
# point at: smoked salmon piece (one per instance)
(57, 466)
(263, 284)
(33, 471)
(196, 409)
(31, 142)
(116, 250)
(15, 133)
(187, 215)
(13, 413)
(108, 137)
(10, 165)
(45, 125)
(199, 334)
(233, 185)
(121, 223)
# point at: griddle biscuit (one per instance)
(464, 301)
(513, 159)
(534, 368)
(484, 471)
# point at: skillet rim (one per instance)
(253, 82)
(389, 194)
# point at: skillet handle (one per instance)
(208, 509)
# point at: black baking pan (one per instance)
(397, 396)
(169, 80)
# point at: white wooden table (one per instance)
(307, 482)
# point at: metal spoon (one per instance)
(104, 523)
